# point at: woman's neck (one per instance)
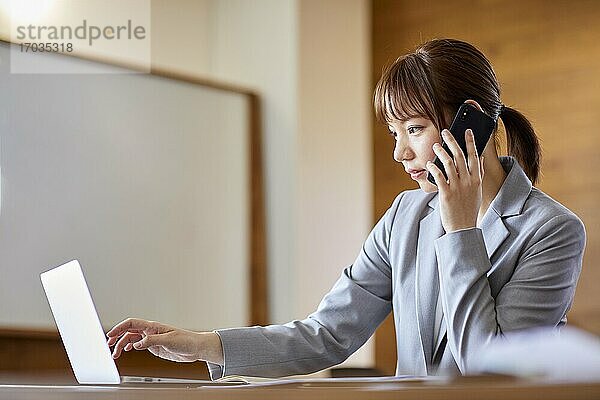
(493, 178)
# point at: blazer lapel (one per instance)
(427, 281)
(494, 232)
(509, 201)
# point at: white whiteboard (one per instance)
(143, 179)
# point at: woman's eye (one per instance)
(414, 129)
(393, 134)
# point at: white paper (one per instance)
(566, 355)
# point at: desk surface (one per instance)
(46, 387)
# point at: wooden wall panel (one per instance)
(547, 57)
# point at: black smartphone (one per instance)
(467, 117)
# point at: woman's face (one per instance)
(415, 138)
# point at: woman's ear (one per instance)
(475, 104)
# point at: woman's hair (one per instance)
(437, 78)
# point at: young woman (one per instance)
(473, 257)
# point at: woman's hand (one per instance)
(165, 341)
(461, 194)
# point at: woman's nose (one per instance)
(401, 150)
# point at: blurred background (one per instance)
(328, 166)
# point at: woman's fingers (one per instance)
(149, 341)
(129, 325)
(439, 178)
(472, 153)
(138, 334)
(481, 167)
(459, 157)
(460, 165)
(447, 161)
(112, 340)
(126, 339)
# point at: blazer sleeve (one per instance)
(539, 293)
(346, 317)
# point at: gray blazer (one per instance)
(518, 270)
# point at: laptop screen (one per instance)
(79, 325)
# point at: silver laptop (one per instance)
(82, 335)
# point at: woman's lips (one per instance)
(417, 174)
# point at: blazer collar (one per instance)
(514, 191)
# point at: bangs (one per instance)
(405, 91)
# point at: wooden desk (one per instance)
(45, 387)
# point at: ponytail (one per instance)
(522, 142)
